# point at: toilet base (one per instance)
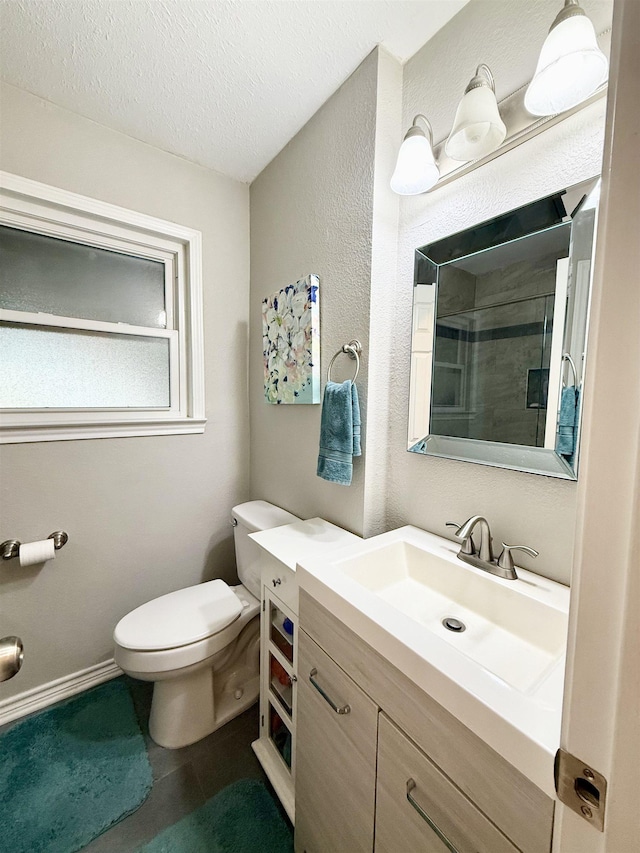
(189, 707)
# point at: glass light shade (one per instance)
(478, 129)
(416, 170)
(570, 68)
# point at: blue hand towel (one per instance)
(339, 432)
(568, 421)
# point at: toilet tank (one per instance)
(249, 518)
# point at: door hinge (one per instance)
(581, 788)
(263, 605)
(262, 721)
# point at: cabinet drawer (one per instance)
(412, 792)
(336, 757)
(280, 580)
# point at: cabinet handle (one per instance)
(344, 709)
(410, 786)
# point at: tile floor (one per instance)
(183, 779)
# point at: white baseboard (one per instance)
(54, 691)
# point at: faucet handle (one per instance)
(468, 545)
(505, 560)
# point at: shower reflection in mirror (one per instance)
(499, 337)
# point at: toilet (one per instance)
(201, 645)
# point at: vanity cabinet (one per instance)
(413, 771)
(336, 770)
(276, 746)
(281, 547)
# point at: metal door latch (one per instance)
(581, 788)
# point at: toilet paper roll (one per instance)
(36, 552)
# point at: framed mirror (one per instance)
(499, 333)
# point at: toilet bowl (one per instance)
(201, 645)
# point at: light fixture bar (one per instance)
(520, 123)
(521, 126)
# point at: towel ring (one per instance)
(353, 350)
(567, 358)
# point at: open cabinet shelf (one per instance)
(276, 746)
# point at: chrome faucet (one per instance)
(485, 551)
(482, 557)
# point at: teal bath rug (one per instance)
(69, 773)
(242, 818)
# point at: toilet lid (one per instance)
(179, 618)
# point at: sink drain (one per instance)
(455, 625)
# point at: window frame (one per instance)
(42, 209)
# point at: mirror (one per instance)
(499, 337)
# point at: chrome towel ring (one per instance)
(566, 357)
(353, 349)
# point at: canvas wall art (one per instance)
(291, 343)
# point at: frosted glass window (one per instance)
(46, 367)
(101, 331)
(40, 273)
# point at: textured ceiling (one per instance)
(225, 83)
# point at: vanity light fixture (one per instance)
(416, 170)
(571, 66)
(477, 129)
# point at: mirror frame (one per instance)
(428, 260)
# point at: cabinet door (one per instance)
(336, 757)
(276, 747)
(419, 809)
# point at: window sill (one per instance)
(16, 434)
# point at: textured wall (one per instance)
(428, 492)
(224, 84)
(311, 212)
(323, 206)
(144, 515)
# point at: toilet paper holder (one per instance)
(11, 547)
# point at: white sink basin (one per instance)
(502, 676)
(513, 635)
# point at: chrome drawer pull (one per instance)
(410, 786)
(345, 709)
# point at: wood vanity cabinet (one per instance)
(397, 773)
(336, 770)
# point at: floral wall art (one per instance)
(291, 343)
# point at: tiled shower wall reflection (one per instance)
(492, 350)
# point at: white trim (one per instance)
(29, 318)
(58, 198)
(115, 429)
(556, 360)
(85, 231)
(45, 209)
(55, 691)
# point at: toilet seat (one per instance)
(141, 663)
(179, 618)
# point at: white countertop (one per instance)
(522, 726)
(303, 540)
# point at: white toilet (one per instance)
(201, 645)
